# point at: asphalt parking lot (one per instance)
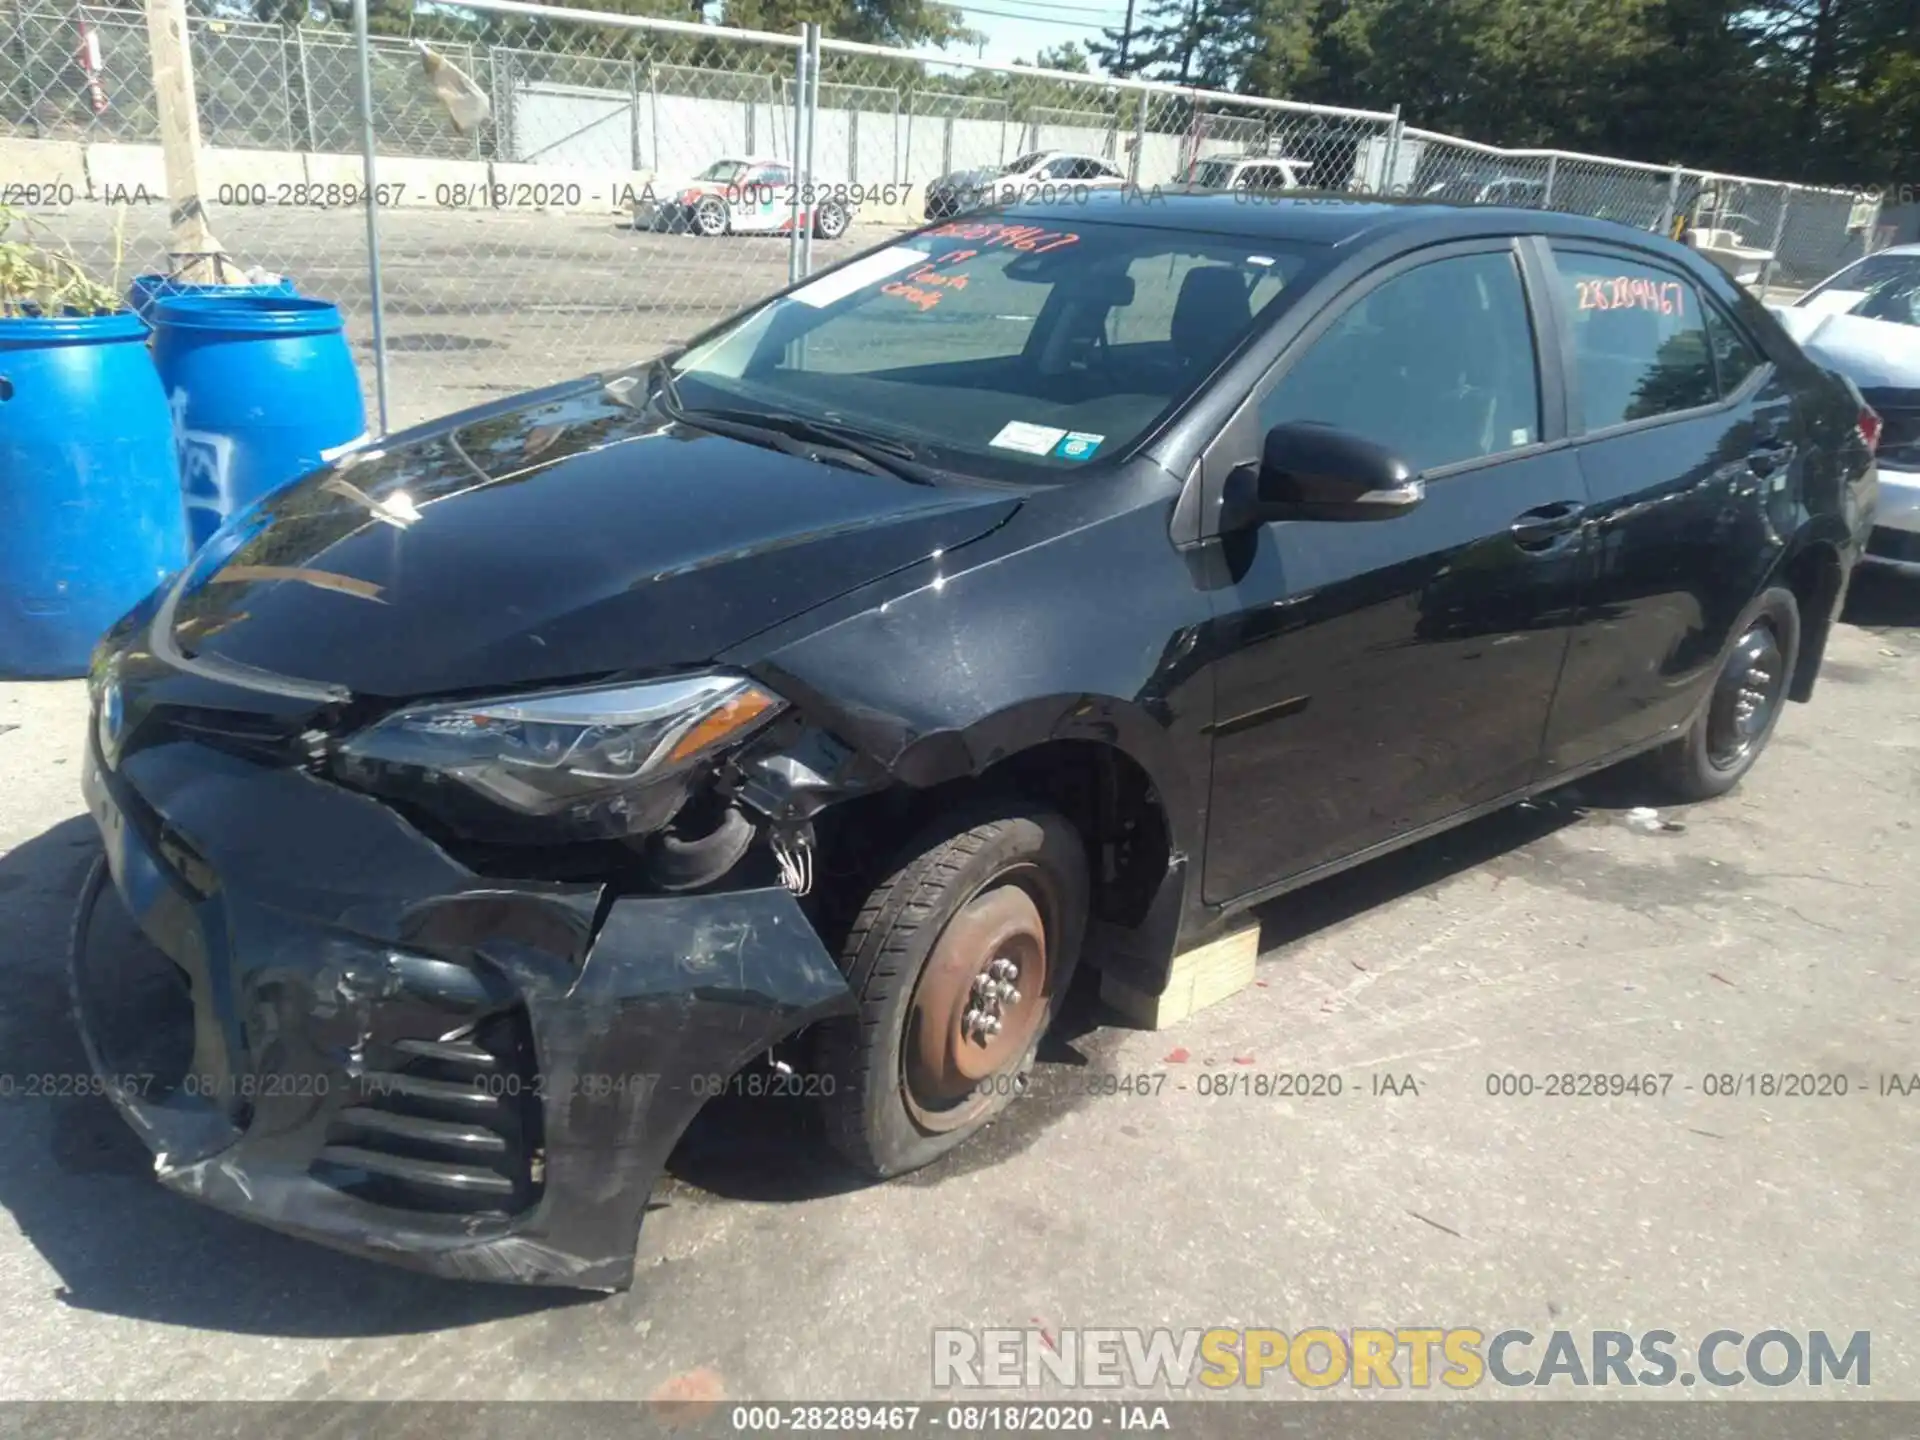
(1770, 932)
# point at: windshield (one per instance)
(1880, 287)
(1213, 172)
(723, 171)
(998, 348)
(1023, 163)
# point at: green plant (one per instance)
(41, 277)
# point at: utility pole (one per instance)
(1125, 68)
(193, 252)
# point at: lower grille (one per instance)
(444, 1125)
(1894, 544)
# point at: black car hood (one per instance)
(556, 536)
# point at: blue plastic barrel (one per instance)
(262, 387)
(90, 517)
(148, 290)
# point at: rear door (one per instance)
(1378, 677)
(763, 200)
(1690, 453)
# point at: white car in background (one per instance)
(1864, 322)
(1259, 173)
(1037, 175)
(739, 195)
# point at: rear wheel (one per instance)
(958, 959)
(830, 220)
(1738, 718)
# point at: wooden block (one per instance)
(1200, 977)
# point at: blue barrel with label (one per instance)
(148, 290)
(263, 391)
(90, 511)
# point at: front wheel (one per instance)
(959, 960)
(710, 217)
(1738, 719)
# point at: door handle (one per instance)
(1769, 453)
(1540, 527)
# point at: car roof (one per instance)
(1241, 157)
(1318, 217)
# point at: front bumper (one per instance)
(392, 1055)
(1896, 518)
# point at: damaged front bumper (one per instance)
(378, 1049)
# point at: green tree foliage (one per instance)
(1825, 91)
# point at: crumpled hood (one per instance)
(558, 535)
(1874, 354)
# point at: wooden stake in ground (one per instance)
(194, 253)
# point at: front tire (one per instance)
(710, 218)
(959, 959)
(1749, 691)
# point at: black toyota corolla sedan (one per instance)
(1044, 585)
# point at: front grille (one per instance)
(1894, 544)
(444, 1125)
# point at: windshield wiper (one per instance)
(879, 452)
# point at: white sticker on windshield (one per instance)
(1029, 439)
(849, 278)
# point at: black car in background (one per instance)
(1054, 583)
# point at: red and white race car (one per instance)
(741, 196)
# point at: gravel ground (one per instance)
(1768, 932)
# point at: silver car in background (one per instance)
(1864, 322)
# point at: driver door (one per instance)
(762, 200)
(1379, 677)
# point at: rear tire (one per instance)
(830, 220)
(1748, 693)
(978, 925)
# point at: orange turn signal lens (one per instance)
(736, 714)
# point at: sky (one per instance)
(1019, 29)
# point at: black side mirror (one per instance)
(1315, 472)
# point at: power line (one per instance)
(1102, 11)
(1061, 21)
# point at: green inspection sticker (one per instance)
(1077, 445)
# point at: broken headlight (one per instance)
(586, 764)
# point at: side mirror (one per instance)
(1315, 472)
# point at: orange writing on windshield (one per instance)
(1631, 292)
(926, 287)
(1030, 238)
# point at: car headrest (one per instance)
(1211, 313)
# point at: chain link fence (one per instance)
(637, 179)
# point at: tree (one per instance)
(1061, 57)
(875, 22)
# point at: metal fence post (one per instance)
(306, 87)
(373, 209)
(1773, 248)
(801, 57)
(1668, 214)
(1139, 137)
(813, 117)
(1546, 195)
(633, 114)
(1390, 162)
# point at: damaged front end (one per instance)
(382, 1037)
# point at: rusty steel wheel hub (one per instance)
(979, 1004)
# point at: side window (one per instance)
(1061, 169)
(1447, 355)
(1639, 339)
(1265, 177)
(773, 175)
(1734, 357)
